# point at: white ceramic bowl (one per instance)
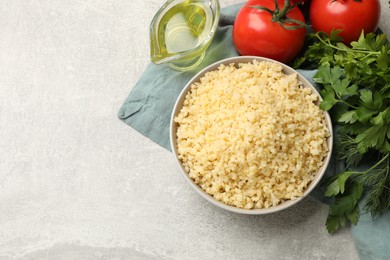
(173, 127)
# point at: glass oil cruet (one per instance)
(181, 31)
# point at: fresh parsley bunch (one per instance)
(355, 83)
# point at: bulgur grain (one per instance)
(251, 136)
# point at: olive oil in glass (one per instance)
(181, 33)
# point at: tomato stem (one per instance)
(280, 16)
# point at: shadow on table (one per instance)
(307, 210)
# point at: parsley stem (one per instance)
(328, 43)
(377, 164)
(345, 103)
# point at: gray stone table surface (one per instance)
(76, 183)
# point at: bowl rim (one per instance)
(173, 127)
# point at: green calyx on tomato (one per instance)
(262, 31)
(300, 2)
(280, 15)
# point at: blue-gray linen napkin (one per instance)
(149, 105)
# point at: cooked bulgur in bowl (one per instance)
(248, 134)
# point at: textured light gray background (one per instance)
(76, 183)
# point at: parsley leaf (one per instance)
(345, 207)
(354, 83)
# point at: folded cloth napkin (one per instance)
(149, 105)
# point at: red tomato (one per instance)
(254, 32)
(351, 16)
